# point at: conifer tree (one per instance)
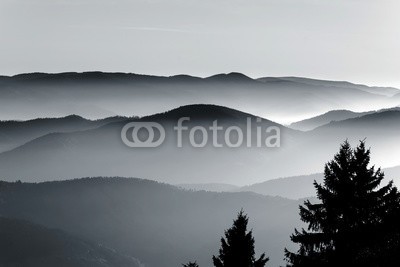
(355, 222)
(237, 248)
(190, 264)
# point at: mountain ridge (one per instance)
(320, 120)
(16, 133)
(100, 94)
(384, 90)
(100, 151)
(131, 215)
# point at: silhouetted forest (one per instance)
(355, 222)
(156, 223)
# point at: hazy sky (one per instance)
(356, 40)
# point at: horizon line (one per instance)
(202, 76)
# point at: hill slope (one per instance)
(334, 115)
(298, 187)
(387, 91)
(209, 187)
(16, 133)
(156, 223)
(101, 151)
(97, 95)
(26, 244)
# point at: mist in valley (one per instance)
(170, 204)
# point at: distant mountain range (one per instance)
(211, 187)
(26, 244)
(50, 220)
(158, 224)
(332, 116)
(295, 187)
(100, 151)
(17, 133)
(99, 95)
(299, 187)
(386, 91)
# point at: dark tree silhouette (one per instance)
(190, 264)
(237, 248)
(356, 222)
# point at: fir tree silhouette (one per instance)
(355, 222)
(237, 248)
(190, 264)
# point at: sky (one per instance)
(354, 40)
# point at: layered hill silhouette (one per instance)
(299, 187)
(380, 129)
(17, 133)
(334, 115)
(100, 151)
(396, 96)
(387, 91)
(155, 223)
(295, 187)
(158, 224)
(26, 244)
(98, 95)
(211, 187)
